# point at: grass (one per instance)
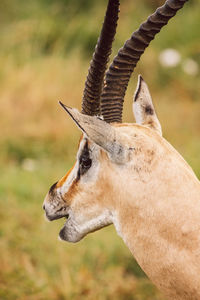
(42, 61)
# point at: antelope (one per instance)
(128, 174)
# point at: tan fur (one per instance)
(161, 222)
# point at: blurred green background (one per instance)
(46, 46)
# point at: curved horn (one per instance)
(94, 81)
(118, 75)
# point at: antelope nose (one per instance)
(45, 203)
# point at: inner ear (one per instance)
(143, 108)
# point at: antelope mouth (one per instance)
(62, 232)
(56, 217)
(70, 232)
(66, 217)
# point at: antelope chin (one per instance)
(69, 232)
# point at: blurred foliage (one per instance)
(41, 27)
(45, 50)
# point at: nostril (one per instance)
(43, 206)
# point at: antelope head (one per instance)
(110, 152)
(108, 155)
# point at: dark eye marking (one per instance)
(85, 161)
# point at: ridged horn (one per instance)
(118, 75)
(98, 65)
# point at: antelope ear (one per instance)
(143, 108)
(100, 132)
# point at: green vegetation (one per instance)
(45, 50)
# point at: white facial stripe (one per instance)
(66, 185)
(74, 173)
(89, 177)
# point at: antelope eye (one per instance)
(86, 162)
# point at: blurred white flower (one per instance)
(190, 67)
(29, 164)
(169, 58)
